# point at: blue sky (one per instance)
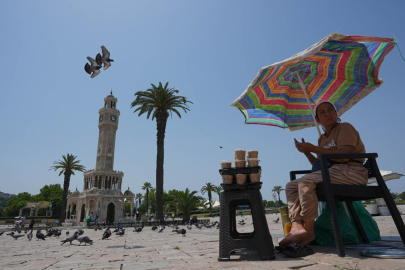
(209, 50)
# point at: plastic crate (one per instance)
(244, 170)
(233, 187)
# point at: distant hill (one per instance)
(5, 196)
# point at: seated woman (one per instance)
(339, 138)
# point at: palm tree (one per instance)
(147, 186)
(160, 102)
(139, 197)
(185, 202)
(209, 188)
(218, 190)
(278, 189)
(67, 166)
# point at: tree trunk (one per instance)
(161, 121)
(279, 202)
(210, 198)
(147, 202)
(66, 184)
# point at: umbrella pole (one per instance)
(306, 96)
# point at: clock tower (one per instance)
(107, 125)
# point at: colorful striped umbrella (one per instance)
(341, 69)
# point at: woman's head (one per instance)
(326, 114)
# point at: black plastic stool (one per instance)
(229, 238)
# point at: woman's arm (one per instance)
(311, 158)
(308, 147)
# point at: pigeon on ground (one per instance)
(57, 233)
(40, 235)
(94, 68)
(276, 220)
(80, 231)
(16, 236)
(161, 229)
(242, 222)
(25, 232)
(138, 229)
(1, 233)
(199, 226)
(49, 233)
(121, 232)
(106, 234)
(105, 59)
(116, 230)
(154, 228)
(11, 233)
(29, 236)
(183, 232)
(67, 232)
(84, 239)
(70, 239)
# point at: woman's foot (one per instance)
(308, 239)
(295, 236)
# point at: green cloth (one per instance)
(350, 235)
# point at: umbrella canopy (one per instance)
(341, 69)
(386, 175)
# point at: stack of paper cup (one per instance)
(253, 162)
(240, 158)
(226, 164)
(241, 179)
(227, 179)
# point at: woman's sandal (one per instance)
(295, 250)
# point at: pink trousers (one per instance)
(301, 193)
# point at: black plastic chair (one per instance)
(230, 240)
(330, 193)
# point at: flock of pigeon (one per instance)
(119, 230)
(94, 68)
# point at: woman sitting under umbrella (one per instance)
(339, 138)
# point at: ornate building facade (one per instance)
(102, 186)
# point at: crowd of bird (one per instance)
(96, 65)
(118, 229)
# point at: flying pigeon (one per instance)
(40, 235)
(84, 239)
(105, 59)
(220, 147)
(94, 68)
(106, 234)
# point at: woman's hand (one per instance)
(303, 146)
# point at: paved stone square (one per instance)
(168, 250)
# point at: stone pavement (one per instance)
(197, 250)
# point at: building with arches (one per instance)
(102, 187)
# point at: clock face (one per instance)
(113, 118)
(101, 118)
